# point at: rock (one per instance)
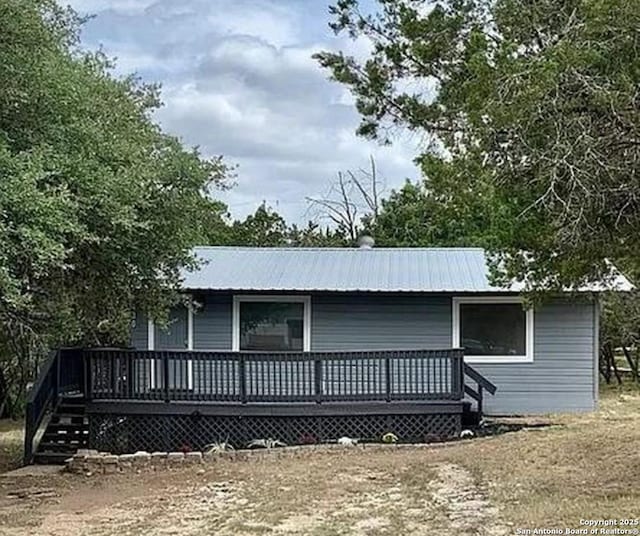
(193, 457)
(141, 459)
(200, 472)
(74, 465)
(86, 452)
(159, 459)
(175, 458)
(126, 461)
(93, 463)
(110, 468)
(209, 456)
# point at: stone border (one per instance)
(91, 462)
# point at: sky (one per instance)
(238, 80)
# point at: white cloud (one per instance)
(239, 80)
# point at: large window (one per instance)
(493, 329)
(271, 323)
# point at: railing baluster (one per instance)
(318, 378)
(242, 379)
(387, 378)
(165, 373)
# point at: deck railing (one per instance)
(248, 377)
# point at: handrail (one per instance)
(482, 384)
(480, 379)
(41, 395)
(258, 377)
(42, 375)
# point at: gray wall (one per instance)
(139, 332)
(212, 322)
(561, 377)
(380, 322)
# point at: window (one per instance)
(271, 323)
(176, 335)
(493, 330)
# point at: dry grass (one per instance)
(584, 467)
(11, 443)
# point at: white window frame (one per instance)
(293, 298)
(151, 345)
(529, 329)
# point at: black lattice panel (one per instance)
(122, 434)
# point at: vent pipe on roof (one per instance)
(366, 242)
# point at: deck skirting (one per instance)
(173, 430)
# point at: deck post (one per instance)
(242, 372)
(87, 365)
(318, 380)
(165, 372)
(29, 432)
(460, 362)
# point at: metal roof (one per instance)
(342, 269)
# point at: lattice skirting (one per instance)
(121, 434)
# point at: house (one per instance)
(326, 299)
(311, 344)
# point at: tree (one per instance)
(315, 236)
(539, 99)
(352, 196)
(98, 208)
(263, 228)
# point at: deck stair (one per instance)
(65, 433)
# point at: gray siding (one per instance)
(139, 332)
(380, 322)
(212, 323)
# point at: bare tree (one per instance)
(350, 197)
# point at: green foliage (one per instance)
(426, 214)
(314, 236)
(98, 208)
(266, 228)
(263, 228)
(531, 112)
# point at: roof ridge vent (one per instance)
(366, 242)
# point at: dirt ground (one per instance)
(583, 467)
(11, 443)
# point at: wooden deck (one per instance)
(163, 400)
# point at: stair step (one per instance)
(73, 397)
(47, 437)
(57, 458)
(68, 426)
(72, 418)
(74, 409)
(66, 430)
(60, 447)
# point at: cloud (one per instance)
(239, 80)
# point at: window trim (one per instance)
(293, 298)
(529, 329)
